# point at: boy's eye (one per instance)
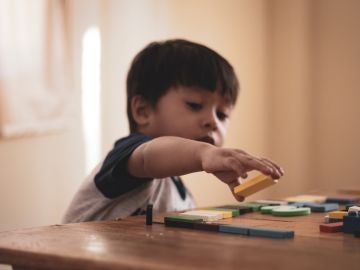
(222, 116)
(194, 106)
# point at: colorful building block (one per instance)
(236, 229)
(254, 185)
(271, 233)
(288, 211)
(225, 214)
(307, 198)
(242, 209)
(331, 227)
(205, 215)
(255, 207)
(234, 212)
(343, 199)
(271, 202)
(337, 214)
(318, 207)
(351, 224)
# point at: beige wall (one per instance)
(297, 61)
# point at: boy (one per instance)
(179, 98)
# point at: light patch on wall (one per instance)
(91, 86)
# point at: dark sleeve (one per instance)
(113, 178)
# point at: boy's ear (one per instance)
(141, 110)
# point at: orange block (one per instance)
(254, 185)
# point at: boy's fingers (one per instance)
(232, 185)
(237, 166)
(277, 167)
(251, 163)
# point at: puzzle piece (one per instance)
(343, 199)
(255, 207)
(271, 202)
(268, 209)
(271, 233)
(237, 229)
(242, 209)
(254, 185)
(205, 215)
(234, 212)
(337, 214)
(307, 198)
(351, 224)
(318, 207)
(331, 227)
(256, 231)
(289, 211)
(225, 214)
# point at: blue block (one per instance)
(234, 229)
(272, 233)
(351, 224)
(318, 207)
(341, 200)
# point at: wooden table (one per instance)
(130, 244)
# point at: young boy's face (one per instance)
(191, 113)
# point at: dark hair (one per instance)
(162, 65)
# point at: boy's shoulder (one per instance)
(131, 139)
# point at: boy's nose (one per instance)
(210, 123)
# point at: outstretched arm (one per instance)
(168, 156)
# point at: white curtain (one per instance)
(35, 86)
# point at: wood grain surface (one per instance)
(130, 244)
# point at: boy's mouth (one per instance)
(207, 139)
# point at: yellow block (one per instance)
(337, 214)
(254, 185)
(226, 214)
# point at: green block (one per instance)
(268, 209)
(255, 206)
(288, 211)
(184, 218)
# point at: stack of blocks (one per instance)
(352, 221)
(345, 221)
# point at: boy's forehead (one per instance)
(201, 92)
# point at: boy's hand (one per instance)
(230, 164)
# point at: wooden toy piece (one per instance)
(337, 214)
(207, 226)
(234, 212)
(149, 214)
(237, 229)
(225, 214)
(183, 218)
(192, 225)
(318, 207)
(254, 185)
(268, 209)
(255, 207)
(271, 202)
(343, 199)
(205, 215)
(242, 209)
(351, 224)
(331, 227)
(307, 198)
(289, 211)
(271, 233)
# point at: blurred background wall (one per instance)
(298, 62)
